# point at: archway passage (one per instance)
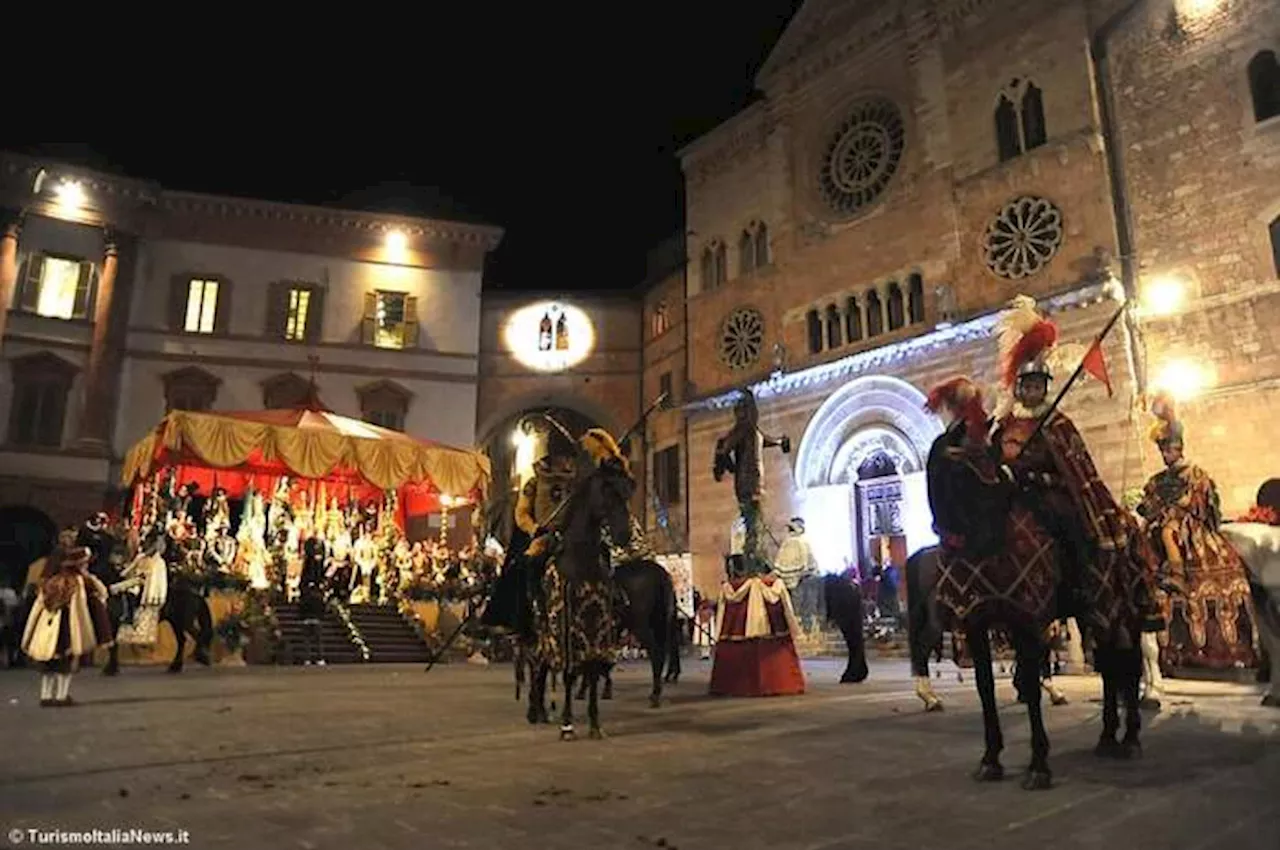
(513, 446)
(860, 472)
(26, 534)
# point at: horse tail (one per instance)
(519, 665)
(673, 633)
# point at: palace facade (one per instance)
(125, 299)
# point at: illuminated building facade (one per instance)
(125, 299)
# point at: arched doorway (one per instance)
(860, 473)
(26, 533)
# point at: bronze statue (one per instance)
(741, 453)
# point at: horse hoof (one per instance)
(1149, 704)
(111, 671)
(1107, 748)
(596, 734)
(567, 734)
(1059, 699)
(1129, 750)
(1271, 701)
(933, 705)
(1037, 780)
(853, 678)
(608, 694)
(655, 701)
(175, 668)
(988, 772)
(202, 658)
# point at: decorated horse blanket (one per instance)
(576, 623)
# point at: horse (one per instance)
(839, 603)
(1259, 548)
(927, 621)
(1007, 575)
(185, 610)
(576, 627)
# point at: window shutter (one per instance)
(315, 315)
(178, 288)
(30, 296)
(277, 310)
(368, 325)
(84, 287)
(222, 309)
(411, 322)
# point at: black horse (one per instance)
(185, 609)
(841, 606)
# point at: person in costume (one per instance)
(145, 583)
(741, 452)
(1049, 461)
(68, 620)
(1207, 600)
(220, 550)
(364, 578)
(217, 512)
(959, 403)
(311, 604)
(794, 564)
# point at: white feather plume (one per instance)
(1014, 322)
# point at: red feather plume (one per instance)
(964, 399)
(1042, 336)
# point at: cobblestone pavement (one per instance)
(372, 757)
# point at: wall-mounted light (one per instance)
(1196, 8)
(1184, 379)
(1163, 296)
(395, 241)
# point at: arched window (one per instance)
(285, 392)
(384, 403)
(915, 299)
(189, 388)
(1275, 242)
(815, 331)
(1007, 129)
(875, 315)
(1264, 85)
(1033, 130)
(834, 328)
(897, 315)
(708, 270)
(38, 407)
(852, 320)
(746, 253)
(722, 264)
(762, 245)
(661, 321)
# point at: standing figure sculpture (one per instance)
(798, 569)
(1206, 585)
(741, 453)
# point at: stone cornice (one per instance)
(746, 131)
(18, 174)
(813, 51)
(914, 348)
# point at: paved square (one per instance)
(372, 757)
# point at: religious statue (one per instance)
(217, 512)
(741, 453)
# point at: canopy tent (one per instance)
(253, 449)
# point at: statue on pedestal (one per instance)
(741, 453)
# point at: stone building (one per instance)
(123, 300)
(910, 166)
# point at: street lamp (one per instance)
(1163, 296)
(1184, 379)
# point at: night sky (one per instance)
(559, 126)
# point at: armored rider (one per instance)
(541, 497)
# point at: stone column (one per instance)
(106, 351)
(10, 227)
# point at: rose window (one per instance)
(1023, 238)
(741, 338)
(861, 157)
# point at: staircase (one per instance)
(388, 635)
(336, 643)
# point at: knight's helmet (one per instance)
(1027, 340)
(1166, 431)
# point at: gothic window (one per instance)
(834, 328)
(285, 392)
(1019, 119)
(875, 316)
(390, 320)
(861, 156)
(199, 304)
(762, 245)
(1264, 85)
(667, 475)
(1023, 237)
(294, 311)
(714, 268)
(741, 338)
(38, 408)
(897, 313)
(722, 264)
(852, 320)
(746, 253)
(915, 299)
(385, 404)
(57, 287)
(661, 320)
(1275, 242)
(189, 388)
(814, 326)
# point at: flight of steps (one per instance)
(388, 635)
(337, 646)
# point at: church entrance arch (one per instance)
(860, 472)
(26, 535)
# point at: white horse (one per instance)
(1259, 547)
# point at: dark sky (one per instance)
(559, 126)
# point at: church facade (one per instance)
(909, 168)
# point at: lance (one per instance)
(1097, 343)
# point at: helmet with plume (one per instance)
(600, 446)
(1167, 429)
(1027, 340)
(963, 398)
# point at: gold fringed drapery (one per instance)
(385, 459)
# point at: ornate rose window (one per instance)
(741, 338)
(861, 156)
(1022, 239)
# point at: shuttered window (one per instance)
(57, 287)
(666, 475)
(390, 320)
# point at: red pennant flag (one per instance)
(1096, 365)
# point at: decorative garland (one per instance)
(345, 617)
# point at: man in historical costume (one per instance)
(143, 589)
(220, 549)
(68, 620)
(1207, 599)
(364, 553)
(741, 452)
(1051, 464)
(798, 569)
(217, 512)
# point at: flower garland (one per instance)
(345, 617)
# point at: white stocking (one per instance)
(64, 686)
(1151, 674)
(47, 681)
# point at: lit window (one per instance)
(202, 306)
(57, 287)
(390, 320)
(295, 327)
